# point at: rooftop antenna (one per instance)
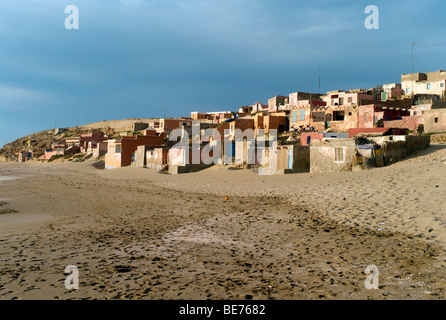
(164, 109)
(319, 84)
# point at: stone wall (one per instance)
(435, 120)
(333, 155)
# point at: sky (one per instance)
(130, 58)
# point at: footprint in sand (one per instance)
(7, 210)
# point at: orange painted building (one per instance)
(167, 125)
(120, 152)
(267, 122)
(232, 126)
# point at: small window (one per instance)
(436, 120)
(349, 113)
(428, 86)
(338, 115)
(442, 85)
(350, 99)
(339, 154)
(407, 90)
(118, 148)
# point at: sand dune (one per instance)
(138, 234)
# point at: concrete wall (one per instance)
(137, 126)
(100, 149)
(402, 146)
(301, 159)
(187, 168)
(275, 102)
(156, 159)
(140, 156)
(323, 155)
(435, 120)
(245, 152)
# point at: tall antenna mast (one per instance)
(412, 90)
(164, 109)
(319, 84)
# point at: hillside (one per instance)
(42, 140)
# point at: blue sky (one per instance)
(129, 57)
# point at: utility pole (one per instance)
(412, 75)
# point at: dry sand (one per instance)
(138, 234)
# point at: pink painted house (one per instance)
(346, 98)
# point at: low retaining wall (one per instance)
(188, 168)
(396, 150)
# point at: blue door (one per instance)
(290, 158)
(308, 140)
(232, 149)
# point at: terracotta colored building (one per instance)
(167, 125)
(336, 118)
(346, 98)
(369, 115)
(242, 124)
(300, 115)
(120, 152)
(279, 122)
(90, 140)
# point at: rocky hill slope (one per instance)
(40, 141)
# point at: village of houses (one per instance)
(337, 131)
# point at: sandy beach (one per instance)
(135, 233)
